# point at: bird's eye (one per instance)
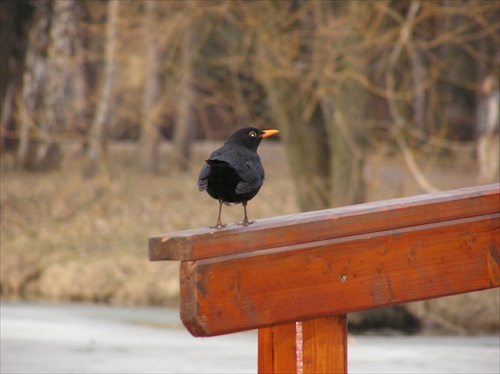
(252, 134)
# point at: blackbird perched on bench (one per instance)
(234, 173)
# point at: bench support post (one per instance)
(313, 346)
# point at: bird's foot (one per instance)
(245, 222)
(218, 226)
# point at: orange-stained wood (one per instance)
(326, 224)
(325, 345)
(265, 350)
(305, 281)
(313, 346)
(277, 351)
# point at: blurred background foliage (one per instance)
(337, 78)
(343, 81)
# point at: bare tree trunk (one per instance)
(346, 150)
(305, 141)
(458, 100)
(343, 100)
(8, 14)
(294, 105)
(150, 137)
(33, 81)
(313, 111)
(13, 42)
(97, 132)
(48, 108)
(183, 135)
(58, 115)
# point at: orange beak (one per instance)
(267, 133)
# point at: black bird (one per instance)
(234, 173)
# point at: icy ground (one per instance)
(80, 338)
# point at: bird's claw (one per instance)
(219, 226)
(245, 223)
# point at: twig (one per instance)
(400, 122)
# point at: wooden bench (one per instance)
(296, 277)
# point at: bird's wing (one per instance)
(250, 171)
(203, 177)
(251, 176)
(218, 157)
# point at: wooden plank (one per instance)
(325, 345)
(313, 346)
(265, 361)
(277, 349)
(281, 285)
(326, 224)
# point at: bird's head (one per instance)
(250, 137)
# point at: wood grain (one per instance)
(325, 345)
(326, 224)
(305, 281)
(277, 349)
(313, 346)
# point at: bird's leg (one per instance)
(245, 222)
(219, 224)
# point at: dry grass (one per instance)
(68, 237)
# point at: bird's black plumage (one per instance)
(233, 173)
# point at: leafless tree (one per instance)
(97, 141)
(298, 64)
(50, 83)
(150, 136)
(184, 124)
